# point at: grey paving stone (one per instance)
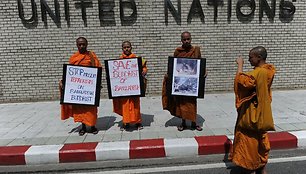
(38, 141)
(19, 142)
(302, 118)
(285, 118)
(113, 128)
(112, 137)
(4, 130)
(11, 125)
(60, 133)
(149, 135)
(45, 134)
(75, 139)
(126, 136)
(287, 127)
(5, 142)
(185, 134)
(204, 132)
(23, 126)
(231, 130)
(168, 134)
(56, 140)
(221, 131)
(219, 123)
(11, 135)
(94, 138)
(28, 134)
(278, 129)
(300, 126)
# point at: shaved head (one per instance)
(184, 33)
(260, 51)
(82, 43)
(81, 38)
(126, 42)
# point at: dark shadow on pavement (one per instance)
(239, 170)
(227, 150)
(176, 121)
(147, 119)
(76, 129)
(235, 170)
(103, 123)
(200, 120)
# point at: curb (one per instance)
(135, 149)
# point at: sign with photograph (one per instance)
(186, 76)
(81, 85)
(124, 77)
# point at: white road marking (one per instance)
(288, 159)
(190, 167)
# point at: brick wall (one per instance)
(32, 55)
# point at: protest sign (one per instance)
(81, 85)
(186, 76)
(124, 77)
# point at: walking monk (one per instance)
(253, 102)
(184, 107)
(129, 107)
(87, 115)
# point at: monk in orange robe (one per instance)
(184, 107)
(129, 107)
(87, 115)
(253, 100)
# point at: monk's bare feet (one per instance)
(82, 132)
(182, 126)
(139, 126)
(94, 130)
(262, 170)
(194, 126)
(125, 126)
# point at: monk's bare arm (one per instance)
(239, 62)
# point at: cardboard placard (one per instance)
(81, 85)
(186, 76)
(124, 77)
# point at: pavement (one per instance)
(32, 133)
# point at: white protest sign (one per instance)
(80, 85)
(124, 77)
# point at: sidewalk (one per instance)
(36, 131)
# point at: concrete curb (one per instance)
(135, 149)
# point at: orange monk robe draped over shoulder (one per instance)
(251, 147)
(184, 107)
(84, 114)
(129, 107)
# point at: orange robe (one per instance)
(84, 114)
(129, 107)
(253, 90)
(184, 107)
